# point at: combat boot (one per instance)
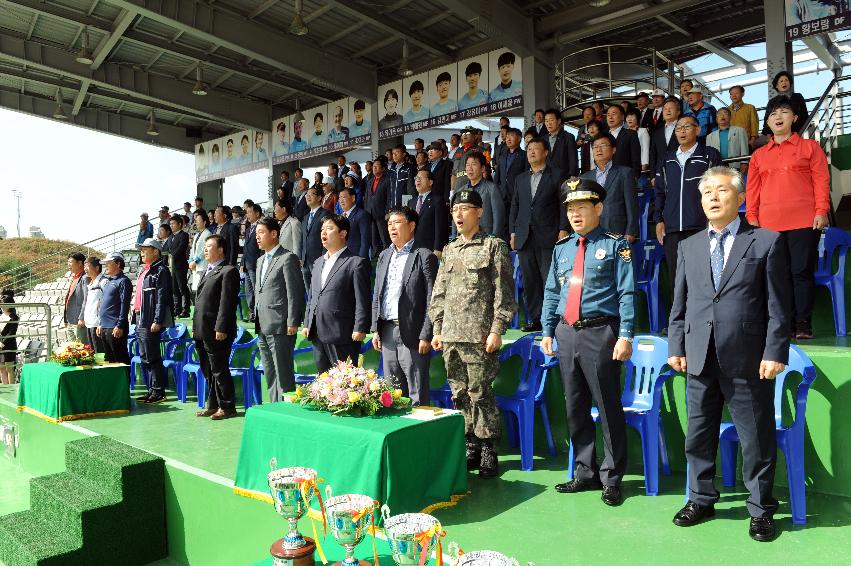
(489, 464)
(474, 452)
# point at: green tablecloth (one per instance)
(406, 463)
(59, 393)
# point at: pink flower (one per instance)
(387, 399)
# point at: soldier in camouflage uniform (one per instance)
(472, 304)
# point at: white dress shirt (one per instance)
(393, 285)
(732, 228)
(267, 261)
(330, 260)
(682, 156)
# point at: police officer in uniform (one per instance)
(588, 307)
(472, 304)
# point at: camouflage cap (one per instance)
(467, 196)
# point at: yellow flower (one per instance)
(355, 381)
(374, 386)
(397, 393)
(354, 396)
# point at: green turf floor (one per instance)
(14, 487)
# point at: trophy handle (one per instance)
(328, 492)
(273, 463)
(454, 551)
(385, 512)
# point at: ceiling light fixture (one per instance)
(599, 3)
(152, 126)
(84, 56)
(404, 68)
(200, 88)
(298, 27)
(59, 113)
(298, 116)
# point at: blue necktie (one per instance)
(310, 220)
(717, 258)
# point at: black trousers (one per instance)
(751, 404)
(213, 357)
(152, 360)
(180, 291)
(672, 240)
(114, 349)
(803, 256)
(588, 373)
(327, 355)
(534, 262)
(95, 341)
(380, 236)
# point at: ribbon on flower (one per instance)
(307, 486)
(424, 538)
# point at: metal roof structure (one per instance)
(146, 55)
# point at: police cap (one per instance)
(582, 189)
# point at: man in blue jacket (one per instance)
(152, 311)
(113, 310)
(678, 213)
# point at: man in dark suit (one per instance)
(280, 308)
(338, 309)
(178, 249)
(300, 208)
(250, 253)
(729, 330)
(402, 173)
(534, 221)
(75, 298)
(360, 235)
(214, 328)
(286, 186)
(441, 169)
(433, 223)
(512, 162)
(645, 111)
(401, 329)
(663, 139)
(620, 209)
(376, 191)
(562, 154)
(653, 118)
(229, 231)
(311, 234)
(628, 149)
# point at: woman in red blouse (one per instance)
(789, 191)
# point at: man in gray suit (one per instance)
(338, 308)
(730, 331)
(401, 328)
(75, 299)
(620, 211)
(279, 307)
(494, 219)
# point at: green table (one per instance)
(408, 464)
(58, 393)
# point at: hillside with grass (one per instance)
(25, 262)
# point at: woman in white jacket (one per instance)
(94, 270)
(197, 263)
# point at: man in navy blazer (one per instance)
(375, 195)
(626, 141)
(251, 253)
(620, 210)
(562, 156)
(512, 162)
(404, 277)
(360, 235)
(338, 308)
(729, 330)
(433, 223)
(663, 140)
(311, 235)
(534, 221)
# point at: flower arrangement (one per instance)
(74, 354)
(348, 389)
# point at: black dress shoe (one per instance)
(474, 452)
(612, 495)
(693, 514)
(762, 529)
(489, 464)
(575, 486)
(144, 398)
(155, 398)
(533, 327)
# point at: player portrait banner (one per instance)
(237, 153)
(810, 17)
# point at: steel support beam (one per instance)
(498, 19)
(258, 42)
(81, 96)
(137, 85)
(108, 43)
(826, 50)
(265, 5)
(742, 23)
(724, 53)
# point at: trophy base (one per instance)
(360, 563)
(293, 557)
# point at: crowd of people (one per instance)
(414, 249)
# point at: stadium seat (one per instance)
(647, 256)
(834, 241)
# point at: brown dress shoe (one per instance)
(206, 413)
(221, 415)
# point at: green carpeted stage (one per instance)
(518, 514)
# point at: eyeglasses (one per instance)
(601, 146)
(685, 127)
(463, 209)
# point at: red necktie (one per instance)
(574, 294)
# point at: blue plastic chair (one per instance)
(834, 241)
(642, 400)
(790, 440)
(647, 256)
(303, 378)
(245, 373)
(541, 399)
(518, 291)
(243, 294)
(201, 384)
(521, 405)
(136, 365)
(191, 366)
(645, 198)
(174, 350)
(442, 396)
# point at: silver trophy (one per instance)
(410, 535)
(480, 557)
(291, 502)
(349, 516)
